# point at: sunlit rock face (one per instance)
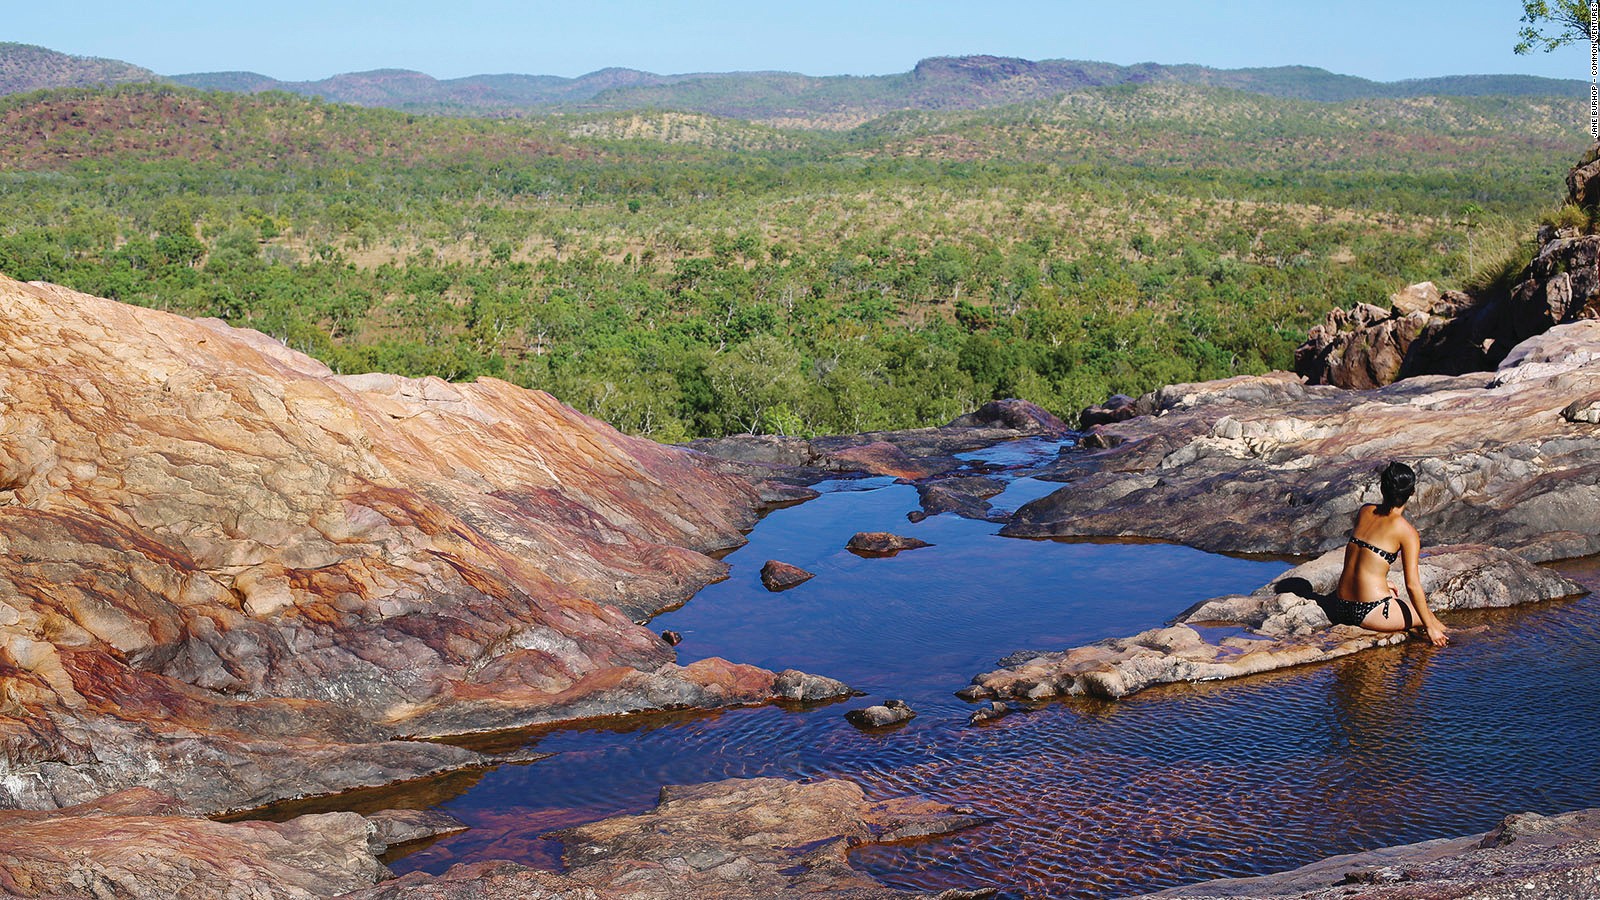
(229, 573)
(1269, 464)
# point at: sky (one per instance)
(311, 39)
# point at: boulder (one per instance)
(1018, 416)
(1422, 297)
(1118, 408)
(780, 576)
(890, 712)
(882, 543)
(1582, 187)
(801, 687)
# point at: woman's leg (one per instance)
(1393, 615)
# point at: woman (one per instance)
(1365, 596)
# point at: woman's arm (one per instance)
(1410, 550)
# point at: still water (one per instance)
(1092, 799)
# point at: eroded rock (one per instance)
(1268, 464)
(129, 847)
(1281, 624)
(237, 576)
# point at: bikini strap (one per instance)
(1390, 555)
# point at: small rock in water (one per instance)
(891, 712)
(672, 638)
(916, 515)
(882, 543)
(990, 711)
(803, 687)
(780, 576)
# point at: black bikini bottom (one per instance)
(1345, 612)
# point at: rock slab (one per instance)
(1279, 625)
(1526, 855)
(229, 573)
(1269, 464)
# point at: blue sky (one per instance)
(302, 39)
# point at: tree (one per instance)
(1567, 21)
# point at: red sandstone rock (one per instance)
(98, 851)
(233, 574)
(884, 458)
(780, 576)
(882, 543)
(1268, 464)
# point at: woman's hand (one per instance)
(1438, 634)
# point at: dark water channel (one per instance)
(1093, 799)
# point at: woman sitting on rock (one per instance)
(1365, 596)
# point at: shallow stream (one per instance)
(1092, 799)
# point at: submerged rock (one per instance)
(882, 543)
(1268, 464)
(741, 838)
(231, 574)
(1279, 625)
(1526, 855)
(890, 712)
(761, 837)
(780, 576)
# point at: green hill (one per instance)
(784, 99)
(682, 274)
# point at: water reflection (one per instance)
(1095, 799)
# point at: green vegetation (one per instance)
(681, 275)
(1567, 22)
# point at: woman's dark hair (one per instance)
(1396, 481)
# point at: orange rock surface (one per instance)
(230, 573)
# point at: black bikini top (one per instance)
(1389, 555)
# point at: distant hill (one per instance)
(24, 67)
(411, 91)
(783, 99)
(981, 82)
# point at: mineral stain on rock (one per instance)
(237, 577)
